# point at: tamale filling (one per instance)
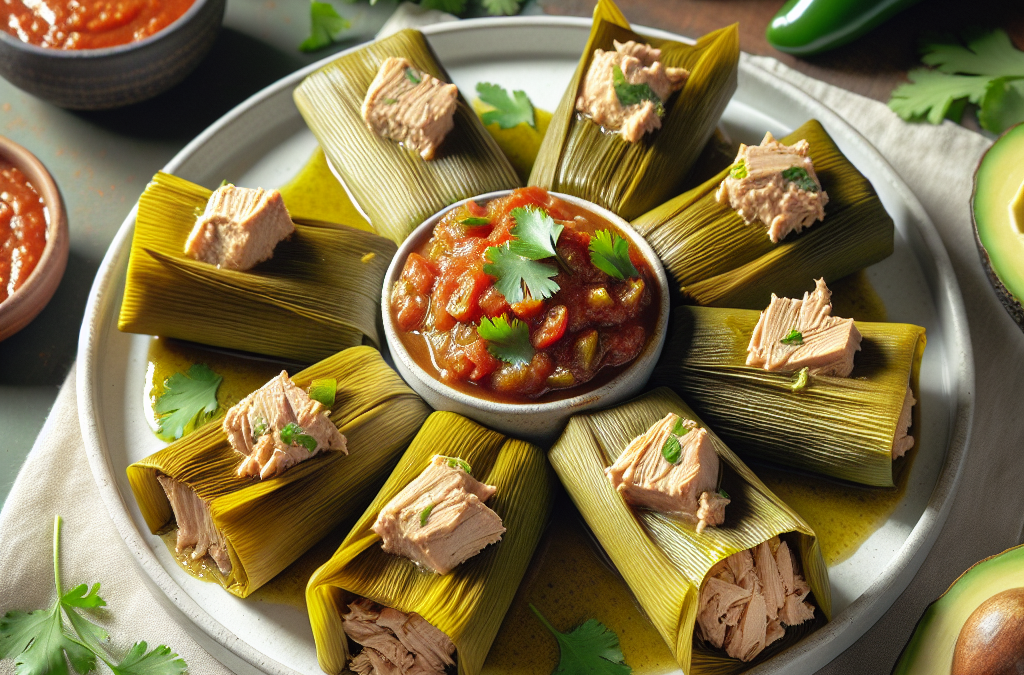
(239, 228)
(195, 524)
(395, 643)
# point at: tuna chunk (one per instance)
(395, 643)
(195, 524)
(749, 599)
(240, 228)
(439, 520)
(686, 487)
(410, 106)
(775, 184)
(903, 441)
(796, 334)
(259, 425)
(639, 64)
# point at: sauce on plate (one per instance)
(23, 222)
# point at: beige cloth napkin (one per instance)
(936, 162)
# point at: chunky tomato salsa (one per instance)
(523, 296)
(88, 24)
(23, 221)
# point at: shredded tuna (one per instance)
(760, 191)
(239, 228)
(409, 106)
(439, 520)
(640, 64)
(395, 643)
(749, 599)
(686, 488)
(255, 424)
(196, 529)
(903, 441)
(796, 334)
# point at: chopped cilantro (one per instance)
(512, 271)
(610, 254)
(293, 433)
(505, 341)
(631, 94)
(535, 232)
(739, 170)
(259, 428)
(723, 494)
(425, 513)
(680, 428)
(509, 111)
(799, 175)
(474, 221)
(391, 101)
(800, 381)
(588, 649)
(411, 75)
(325, 25)
(325, 391)
(795, 337)
(457, 463)
(189, 401)
(671, 450)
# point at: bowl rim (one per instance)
(651, 350)
(83, 54)
(24, 304)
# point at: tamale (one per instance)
(393, 185)
(579, 158)
(269, 523)
(664, 560)
(717, 259)
(319, 294)
(842, 427)
(469, 603)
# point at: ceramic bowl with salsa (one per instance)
(521, 308)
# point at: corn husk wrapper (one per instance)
(315, 297)
(270, 523)
(664, 560)
(838, 426)
(393, 185)
(717, 259)
(469, 603)
(578, 158)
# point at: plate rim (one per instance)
(811, 653)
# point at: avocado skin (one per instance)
(992, 640)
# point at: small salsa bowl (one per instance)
(535, 421)
(25, 303)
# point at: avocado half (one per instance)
(998, 183)
(930, 650)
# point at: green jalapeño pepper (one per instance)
(805, 27)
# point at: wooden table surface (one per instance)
(872, 65)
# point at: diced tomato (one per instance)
(528, 308)
(493, 303)
(475, 209)
(420, 272)
(458, 366)
(464, 302)
(409, 306)
(553, 328)
(484, 362)
(440, 319)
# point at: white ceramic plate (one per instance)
(264, 142)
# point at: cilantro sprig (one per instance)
(985, 70)
(509, 342)
(589, 649)
(535, 232)
(188, 402)
(794, 337)
(610, 254)
(325, 25)
(631, 94)
(509, 111)
(41, 643)
(512, 271)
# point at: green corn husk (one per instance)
(269, 523)
(717, 259)
(578, 158)
(664, 561)
(394, 186)
(469, 603)
(837, 426)
(315, 297)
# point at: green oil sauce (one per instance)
(315, 194)
(203, 569)
(569, 582)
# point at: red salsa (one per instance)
(22, 229)
(454, 318)
(88, 24)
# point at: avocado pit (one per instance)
(991, 641)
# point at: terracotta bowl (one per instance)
(25, 303)
(96, 79)
(538, 422)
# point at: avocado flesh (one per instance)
(930, 650)
(998, 207)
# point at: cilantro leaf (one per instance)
(189, 401)
(411, 75)
(425, 514)
(991, 54)
(450, 6)
(512, 271)
(794, 337)
(509, 111)
(475, 221)
(588, 649)
(671, 450)
(501, 7)
(931, 94)
(459, 463)
(1002, 105)
(159, 661)
(630, 94)
(799, 175)
(293, 433)
(325, 25)
(680, 428)
(723, 494)
(610, 254)
(508, 342)
(738, 170)
(535, 232)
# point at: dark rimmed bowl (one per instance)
(25, 303)
(97, 79)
